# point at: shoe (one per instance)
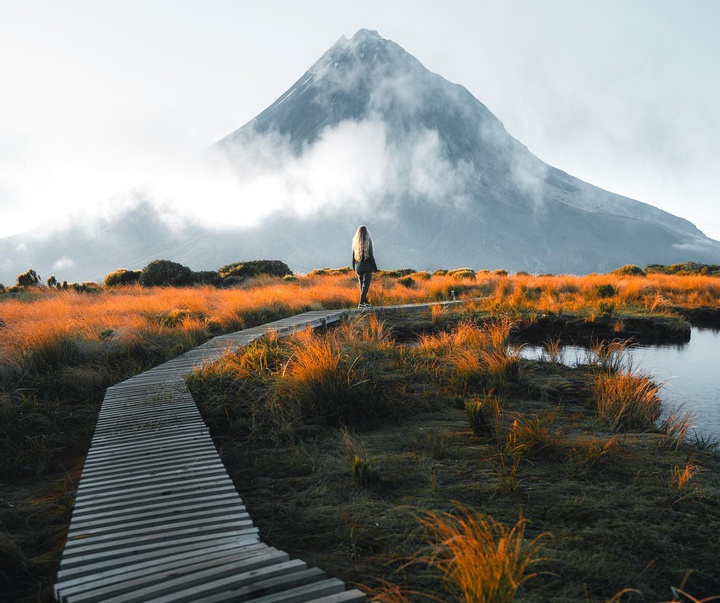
(366, 305)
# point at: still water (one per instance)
(689, 372)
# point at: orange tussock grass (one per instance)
(567, 293)
(45, 315)
(53, 323)
(627, 400)
(478, 556)
(680, 478)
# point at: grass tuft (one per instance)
(365, 473)
(586, 454)
(484, 414)
(481, 560)
(627, 401)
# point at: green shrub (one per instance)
(606, 309)
(29, 279)
(329, 271)
(396, 273)
(232, 281)
(460, 273)
(207, 277)
(87, 287)
(686, 268)
(604, 291)
(122, 276)
(255, 268)
(629, 270)
(406, 281)
(160, 273)
(533, 293)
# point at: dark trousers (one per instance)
(364, 279)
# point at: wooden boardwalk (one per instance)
(157, 518)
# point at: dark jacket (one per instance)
(364, 265)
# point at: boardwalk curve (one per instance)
(156, 516)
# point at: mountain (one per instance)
(368, 135)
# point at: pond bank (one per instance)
(571, 329)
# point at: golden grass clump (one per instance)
(307, 378)
(627, 401)
(320, 379)
(680, 479)
(532, 433)
(481, 560)
(366, 328)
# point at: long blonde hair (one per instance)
(362, 244)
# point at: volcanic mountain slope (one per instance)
(368, 135)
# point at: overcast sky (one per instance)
(97, 96)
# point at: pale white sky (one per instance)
(97, 96)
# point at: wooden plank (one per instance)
(123, 552)
(239, 569)
(83, 544)
(161, 498)
(258, 588)
(155, 567)
(162, 513)
(158, 522)
(302, 594)
(191, 586)
(196, 550)
(348, 596)
(156, 516)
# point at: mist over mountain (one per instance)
(366, 136)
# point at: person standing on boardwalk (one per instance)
(363, 262)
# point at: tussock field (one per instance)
(404, 418)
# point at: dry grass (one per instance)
(627, 401)
(270, 389)
(60, 349)
(583, 294)
(603, 496)
(681, 480)
(45, 328)
(480, 559)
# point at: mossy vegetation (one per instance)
(404, 390)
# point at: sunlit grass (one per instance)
(627, 400)
(480, 559)
(60, 349)
(43, 327)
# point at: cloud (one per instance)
(353, 165)
(63, 263)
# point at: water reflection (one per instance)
(690, 373)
